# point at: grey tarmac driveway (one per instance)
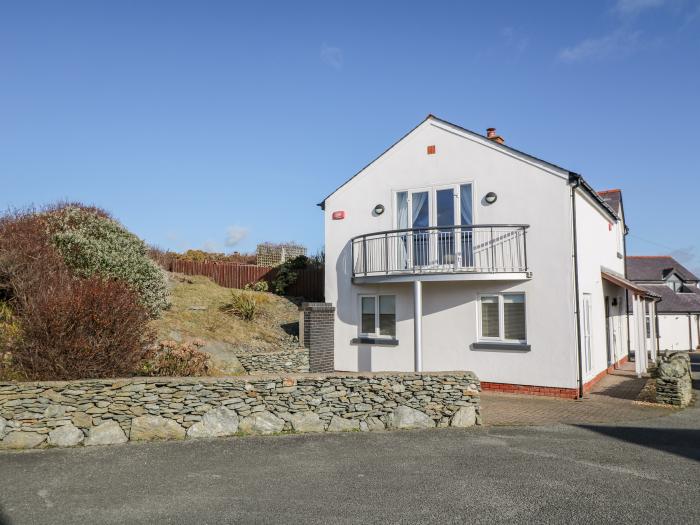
(557, 474)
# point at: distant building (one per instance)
(271, 254)
(679, 309)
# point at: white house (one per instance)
(454, 251)
(679, 309)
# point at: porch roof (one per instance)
(620, 281)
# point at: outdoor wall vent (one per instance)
(490, 197)
(378, 209)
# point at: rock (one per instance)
(3, 426)
(407, 417)
(464, 417)
(22, 439)
(261, 423)
(215, 423)
(81, 419)
(306, 422)
(65, 436)
(53, 411)
(149, 428)
(374, 424)
(107, 433)
(197, 308)
(340, 424)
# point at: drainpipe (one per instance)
(575, 182)
(627, 315)
(418, 324)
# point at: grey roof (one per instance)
(656, 268)
(612, 198)
(572, 176)
(673, 302)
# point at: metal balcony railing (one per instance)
(489, 248)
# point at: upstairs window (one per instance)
(502, 317)
(378, 315)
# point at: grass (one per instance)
(197, 311)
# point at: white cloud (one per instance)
(234, 235)
(332, 56)
(617, 44)
(634, 7)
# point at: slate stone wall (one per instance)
(674, 384)
(99, 412)
(288, 361)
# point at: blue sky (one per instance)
(219, 124)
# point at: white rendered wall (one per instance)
(674, 332)
(597, 248)
(528, 193)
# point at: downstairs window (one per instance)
(502, 317)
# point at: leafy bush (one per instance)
(63, 325)
(258, 286)
(287, 273)
(243, 304)
(92, 243)
(201, 256)
(169, 358)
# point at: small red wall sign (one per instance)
(338, 215)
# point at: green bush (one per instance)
(287, 273)
(258, 286)
(92, 243)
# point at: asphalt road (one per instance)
(641, 473)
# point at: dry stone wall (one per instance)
(288, 361)
(674, 384)
(103, 412)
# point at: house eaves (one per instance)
(506, 149)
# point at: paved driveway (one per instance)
(638, 472)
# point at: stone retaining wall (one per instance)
(674, 384)
(100, 412)
(288, 361)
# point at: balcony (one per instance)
(445, 253)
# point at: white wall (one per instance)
(597, 248)
(674, 331)
(528, 192)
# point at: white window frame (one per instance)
(501, 318)
(376, 334)
(432, 201)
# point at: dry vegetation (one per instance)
(202, 309)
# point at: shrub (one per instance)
(243, 304)
(258, 286)
(287, 273)
(79, 328)
(201, 256)
(92, 243)
(169, 358)
(63, 326)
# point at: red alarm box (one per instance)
(338, 215)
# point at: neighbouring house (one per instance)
(678, 313)
(454, 251)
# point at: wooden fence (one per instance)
(309, 283)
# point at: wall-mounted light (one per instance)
(491, 197)
(378, 209)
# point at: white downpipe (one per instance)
(418, 324)
(638, 363)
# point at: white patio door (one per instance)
(433, 211)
